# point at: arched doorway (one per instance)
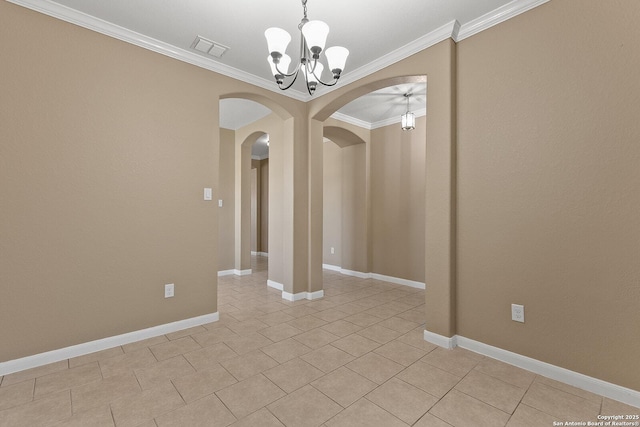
(283, 129)
(439, 235)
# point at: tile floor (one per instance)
(353, 358)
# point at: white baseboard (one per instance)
(315, 295)
(376, 276)
(331, 267)
(53, 356)
(358, 274)
(575, 379)
(234, 272)
(275, 285)
(398, 281)
(302, 295)
(441, 340)
(294, 297)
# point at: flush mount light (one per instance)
(313, 36)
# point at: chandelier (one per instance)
(313, 36)
(408, 118)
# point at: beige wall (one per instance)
(549, 186)
(398, 201)
(106, 149)
(264, 206)
(344, 206)
(260, 205)
(354, 208)
(332, 205)
(226, 214)
(255, 205)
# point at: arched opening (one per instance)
(235, 115)
(246, 179)
(438, 261)
(345, 201)
(377, 185)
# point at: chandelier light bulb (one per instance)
(315, 33)
(337, 58)
(277, 40)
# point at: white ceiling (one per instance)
(385, 106)
(370, 29)
(376, 32)
(236, 113)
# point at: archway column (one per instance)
(316, 159)
(242, 263)
(440, 199)
(302, 209)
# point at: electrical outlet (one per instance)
(333, 250)
(517, 313)
(168, 290)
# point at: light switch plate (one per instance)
(208, 194)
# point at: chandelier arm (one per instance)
(295, 72)
(333, 83)
(313, 71)
(292, 81)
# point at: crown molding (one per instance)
(375, 125)
(451, 30)
(495, 17)
(92, 23)
(422, 43)
(395, 120)
(351, 120)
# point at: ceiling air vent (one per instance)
(208, 47)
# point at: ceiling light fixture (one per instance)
(313, 36)
(408, 118)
